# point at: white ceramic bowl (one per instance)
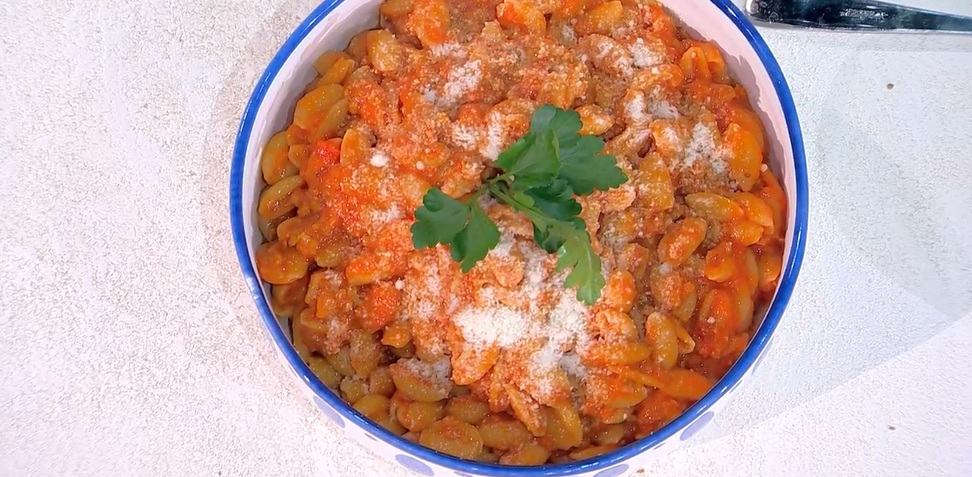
(329, 27)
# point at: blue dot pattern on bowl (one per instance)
(414, 465)
(696, 426)
(331, 413)
(613, 471)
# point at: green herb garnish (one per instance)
(542, 172)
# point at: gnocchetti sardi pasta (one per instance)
(502, 363)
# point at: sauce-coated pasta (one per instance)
(503, 364)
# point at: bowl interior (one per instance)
(333, 24)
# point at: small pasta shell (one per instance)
(416, 386)
(686, 307)
(380, 382)
(279, 264)
(287, 300)
(681, 240)
(353, 389)
(397, 335)
(454, 437)
(396, 8)
(745, 232)
(373, 406)
(503, 433)
(419, 416)
(332, 120)
(355, 147)
(275, 200)
(337, 73)
(770, 264)
(612, 434)
(694, 65)
(564, 426)
(468, 409)
(528, 454)
(312, 106)
(521, 15)
(619, 292)
(720, 263)
(527, 410)
(274, 162)
(714, 206)
(686, 384)
(660, 332)
(594, 120)
(358, 49)
(745, 156)
(298, 154)
(590, 452)
(603, 19)
(472, 363)
(327, 59)
(341, 361)
(384, 51)
(324, 371)
(365, 352)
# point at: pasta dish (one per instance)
(479, 342)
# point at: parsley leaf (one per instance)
(563, 122)
(585, 275)
(542, 171)
(475, 241)
(552, 237)
(555, 199)
(586, 174)
(535, 163)
(439, 219)
(580, 162)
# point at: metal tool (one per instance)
(855, 15)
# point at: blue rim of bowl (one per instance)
(746, 361)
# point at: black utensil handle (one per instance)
(854, 15)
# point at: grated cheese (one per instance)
(663, 110)
(645, 56)
(547, 314)
(464, 136)
(634, 110)
(494, 136)
(622, 60)
(703, 150)
(503, 248)
(379, 159)
(449, 48)
(381, 217)
(462, 80)
(436, 372)
(494, 326)
(701, 145)
(429, 95)
(568, 33)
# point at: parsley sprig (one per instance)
(541, 173)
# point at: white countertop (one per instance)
(129, 345)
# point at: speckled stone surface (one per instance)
(129, 346)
